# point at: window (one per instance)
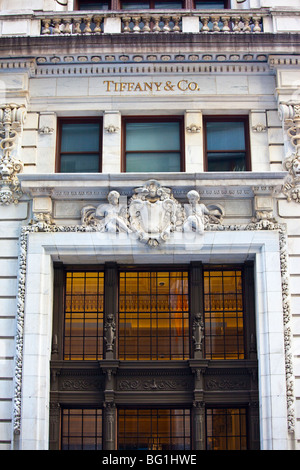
(93, 5)
(227, 144)
(126, 337)
(152, 145)
(211, 4)
(151, 4)
(154, 429)
(83, 320)
(81, 429)
(226, 429)
(153, 315)
(223, 314)
(79, 146)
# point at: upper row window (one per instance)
(152, 144)
(150, 4)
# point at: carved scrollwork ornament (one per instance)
(12, 117)
(290, 115)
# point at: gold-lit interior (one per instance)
(84, 298)
(153, 315)
(226, 429)
(153, 321)
(154, 429)
(81, 429)
(224, 323)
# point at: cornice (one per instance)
(260, 43)
(209, 185)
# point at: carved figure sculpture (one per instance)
(198, 328)
(111, 217)
(110, 329)
(195, 213)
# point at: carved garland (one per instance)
(50, 227)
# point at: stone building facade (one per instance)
(149, 224)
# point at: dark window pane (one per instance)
(168, 5)
(225, 136)
(81, 137)
(226, 161)
(226, 145)
(94, 5)
(135, 5)
(79, 163)
(152, 136)
(213, 5)
(153, 162)
(153, 147)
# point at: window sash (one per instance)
(226, 144)
(226, 429)
(79, 145)
(152, 145)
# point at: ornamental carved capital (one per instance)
(12, 118)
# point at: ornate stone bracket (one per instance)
(12, 117)
(290, 115)
(151, 215)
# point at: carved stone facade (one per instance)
(194, 66)
(12, 117)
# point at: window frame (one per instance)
(77, 120)
(228, 118)
(144, 119)
(183, 338)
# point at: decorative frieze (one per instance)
(12, 117)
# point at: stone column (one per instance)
(196, 310)
(198, 416)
